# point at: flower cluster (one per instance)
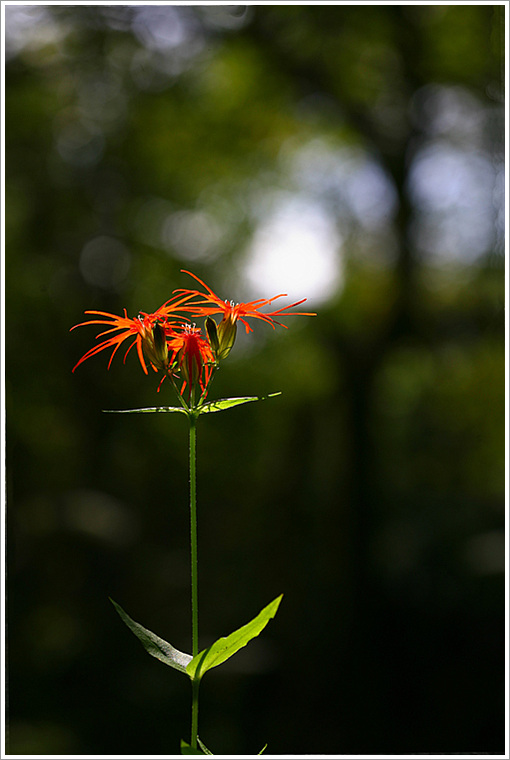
(167, 340)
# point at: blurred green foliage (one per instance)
(141, 140)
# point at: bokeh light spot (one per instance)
(296, 251)
(105, 261)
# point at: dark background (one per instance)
(142, 140)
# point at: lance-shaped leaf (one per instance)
(146, 410)
(203, 747)
(158, 648)
(225, 647)
(228, 403)
(187, 749)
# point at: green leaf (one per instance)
(187, 749)
(146, 410)
(158, 648)
(228, 403)
(225, 647)
(203, 747)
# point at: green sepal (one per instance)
(227, 646)
(158, 648)
(187, 749)
(146, 410)
(227, 331)
(227, 403)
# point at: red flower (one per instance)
(141, 328)
(165, 340)
(213, 304)
(192, 356)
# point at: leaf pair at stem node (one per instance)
(214, 655)
(219, 405)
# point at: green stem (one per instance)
(194, 713)
(179, 395)
(194, 568)
(204, 392)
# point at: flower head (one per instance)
(233, 312)
(166, 341)
(191, 355)
(145, 329)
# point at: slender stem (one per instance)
(194, 568)
(194, 713)
(179, 395)
(206, 389)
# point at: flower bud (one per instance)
(212, 333)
